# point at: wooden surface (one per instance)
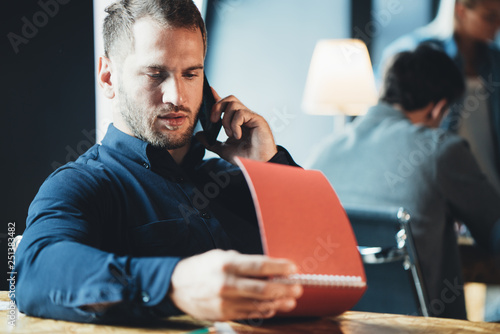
(349, 322)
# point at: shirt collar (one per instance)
(450, 47)
(383, 110)
(129, 146)
(143, 153)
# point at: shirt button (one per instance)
(205, 215)
(146, 165)
(145, 297)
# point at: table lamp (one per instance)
(340, 79)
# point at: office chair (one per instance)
(395, 283)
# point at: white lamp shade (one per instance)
(340, 79)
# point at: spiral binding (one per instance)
(339, 281)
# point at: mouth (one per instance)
(173, 121)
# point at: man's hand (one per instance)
(249, 134)
(226, 285)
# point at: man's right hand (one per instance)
(226, 285)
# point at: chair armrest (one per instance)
(377, 255)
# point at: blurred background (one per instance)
(258, 50)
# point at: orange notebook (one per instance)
(301, 219)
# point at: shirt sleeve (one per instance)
(62, 271)
(472, 199)
(283, 157)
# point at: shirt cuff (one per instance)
(283, 157)
(152, 292)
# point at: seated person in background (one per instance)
(141, 226)
(396, 155)
(470, 44)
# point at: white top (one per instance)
(475, 127)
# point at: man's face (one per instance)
(160, 84)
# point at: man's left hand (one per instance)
(249, 135)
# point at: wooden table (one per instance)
(349, 322)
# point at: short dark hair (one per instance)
(123, 14)
(416, 78)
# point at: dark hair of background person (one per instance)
(416, 78)
(117, 28)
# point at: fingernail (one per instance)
(290, 304)
(297, 291)
(268, 313)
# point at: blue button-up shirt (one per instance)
(111, 227)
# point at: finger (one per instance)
(241, 118)
(216, 95)
(285, 304)
(235, 117)
(220, 106)
(259, 266)
(214, 118)
(242, 287)
(248, 309)
(227, 118)
(251, 309)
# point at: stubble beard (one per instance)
(142, 124)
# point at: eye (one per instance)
(156, 76)
(190, 76)
(490, 18)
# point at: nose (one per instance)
(173, 91)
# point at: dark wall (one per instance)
(47, 98)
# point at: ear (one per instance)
(439, 109)
(104, 77)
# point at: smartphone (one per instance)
(210, 129)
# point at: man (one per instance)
(396, 155)
(141, 226)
